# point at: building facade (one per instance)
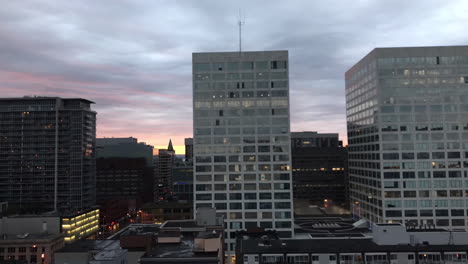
(163, 178)
(47, 159)
(30, 239)
(403, 246)
(408, 135)
(319, 164)
(242, 162)
(80, 224)
(182, 181)
(188, 149)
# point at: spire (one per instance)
(170, 148)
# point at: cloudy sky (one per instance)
(133, 58)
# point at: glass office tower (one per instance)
(242, 162)
(407, 116)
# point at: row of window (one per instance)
(238, 196)
(449, 108)
(245, 130)
(246, 187)
(424, 184)
(243, 177)
(247, 205)
(245, 140)
(248, 94)
(242, 167)
(219, 86)
(201, 77)
(229, 149)
(424, 127)
(424, 165)
(423, 155)
(237, 104)
(246, 158)
(421, 146)
(423, 174)
(241, 65)
(421, 117)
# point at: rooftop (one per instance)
(252, 246)
(91, 245)
(44, 98)
(28, 237)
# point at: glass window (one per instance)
(247, 65)
(233, 66)
(199, 67)
(261, 65)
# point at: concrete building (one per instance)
(163, 177)
(188, 149)
(319, 164)
(407, 133)
(386, 243)
(30, 239)
(47, 154)
(242, 161)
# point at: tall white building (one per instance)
(242, 160)
(407, 114)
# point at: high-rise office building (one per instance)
(319, 164)
(408, 135)
(242, 162)
(47, 159)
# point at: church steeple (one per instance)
(170, 148)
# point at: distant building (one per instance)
(182, 181)
(319, 164)
(124, 148)
(47, 150)
(30, 239)
(407, 117)
(188, 149)
(162, 211)
(387, 243)
(163, 177)
(80, 224)
(124, 177)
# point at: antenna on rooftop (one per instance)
(241, 22)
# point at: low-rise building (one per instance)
(385, 243)
(162, 211)
(96, 252)
(30, 239)
(80, 224)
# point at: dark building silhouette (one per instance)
(182, 180)
(163, 177)
(47, 159)
(188, 149)
(319, 164)
(125, 176)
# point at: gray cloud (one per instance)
(133, 58)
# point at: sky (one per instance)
(133, 58)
